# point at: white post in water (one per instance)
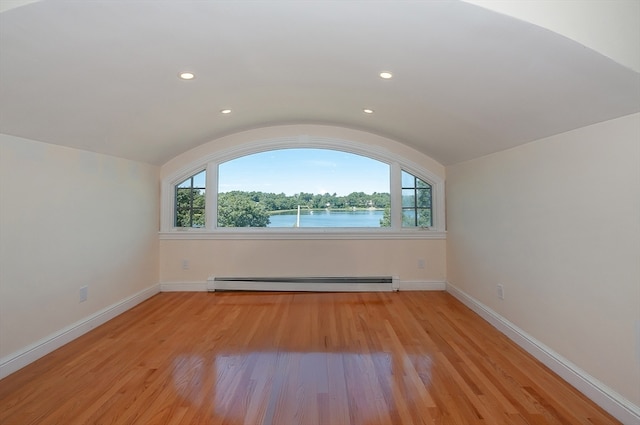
(298, 217)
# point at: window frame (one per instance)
(210, 163)
(177, 187)
(415, 188)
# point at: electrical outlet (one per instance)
(500, 291)
(421, 263)
(185, 264)
(84, 293)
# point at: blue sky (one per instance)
(304, 170)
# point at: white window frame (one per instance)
(211, 162)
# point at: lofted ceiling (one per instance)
(467, 81)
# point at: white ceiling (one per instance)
(102, 75)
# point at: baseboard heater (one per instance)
(306, 284)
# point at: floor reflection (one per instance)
(280, 387)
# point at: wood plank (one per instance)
(293, 358)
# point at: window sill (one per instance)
(297, 234)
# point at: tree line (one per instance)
(252, 209)
(280, 202)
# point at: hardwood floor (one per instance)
(286, 359)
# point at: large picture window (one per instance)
(303, 188)
(336, 188)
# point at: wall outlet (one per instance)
(421, 263)
(185, 264)
(84, 293)
(500, 291)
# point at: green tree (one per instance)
(238, 209)
(385, 221)
(381, 200)
(190, 207)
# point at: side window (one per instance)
(416, 201)
(190, 201)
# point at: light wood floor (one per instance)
(287, 359)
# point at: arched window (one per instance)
(284, 190)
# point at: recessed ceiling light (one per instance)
(386, 75)
(225, 111)
(187, 75)
(367, 111)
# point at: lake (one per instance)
(327, 218)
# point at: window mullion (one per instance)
(191, 194)
(396, 196)
(211, 198)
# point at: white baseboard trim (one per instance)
(15, 361)
(183, 286)
(421, 285)
(617, 406)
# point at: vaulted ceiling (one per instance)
(467, 81)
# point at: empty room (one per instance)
(320, 212)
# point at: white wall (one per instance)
(70, 218)
(557, 222)
(304, 258)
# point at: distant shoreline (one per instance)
(307, 210)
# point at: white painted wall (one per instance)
(282, 258)
(70, 218)
(557, 222)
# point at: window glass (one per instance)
(303, 188)
(190, 201)
(408, 180)
(408, 198)
(416, 201)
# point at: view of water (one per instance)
(326, 218)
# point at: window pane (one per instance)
(183, 198)
(198, 219)
(190, 201)
(424, 198)
(421, 183)
(408, 180)
(198, 198)
(408, 198)
(303, 188)
(416, 201)
(409, 218)
(424, 217)
(183, 218)
(200, 179)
